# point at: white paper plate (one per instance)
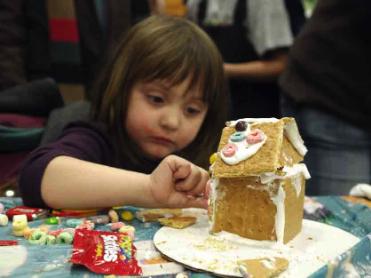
(194, 247)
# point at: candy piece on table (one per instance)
(19, 224)
(50, 240)
(27, 232)
(114, 217)
(127, 215)
(99, 219)
(64, 238)
(44, 228)
(31, 213)
(38, 237)
(129, 230)
(86, 224)
(52, 221)
(8, 242)
(55, 233)
(3, 220)
(74, 222)
(116, 226)
(70, 230)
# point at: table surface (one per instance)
(350, 214)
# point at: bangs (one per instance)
(191, 54)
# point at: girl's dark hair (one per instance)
(163, 48)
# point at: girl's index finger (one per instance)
(182, 172)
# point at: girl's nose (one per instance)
(171, 119)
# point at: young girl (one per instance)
(160, 104)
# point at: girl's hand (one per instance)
(177, 182)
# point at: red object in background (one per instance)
(31, 213)
(63, 30)
(77, 213)
(8, 242)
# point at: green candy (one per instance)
(52, 221)
(64, 238)
(50, 240)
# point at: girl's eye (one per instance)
(192, 111)
(155, 99)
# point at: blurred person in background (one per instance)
(327, 88)
(254, 37)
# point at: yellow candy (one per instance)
(212, 158)
(127, 215)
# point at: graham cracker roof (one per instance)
(281, 148)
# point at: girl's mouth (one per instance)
(162, 141)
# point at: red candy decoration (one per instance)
(255, 136)
(105, 252)
(229, 150)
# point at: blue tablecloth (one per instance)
(52, 261)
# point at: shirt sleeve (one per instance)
(268, 25)
(81, 141)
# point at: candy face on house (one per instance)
(258, 182)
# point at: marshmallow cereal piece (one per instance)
(38, 237)
(116, 226)
(19, 224)
(3, 220)
(114, 217)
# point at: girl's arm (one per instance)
(71, 183)
(259, 70)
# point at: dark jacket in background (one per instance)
(33, 45)
(330, 62)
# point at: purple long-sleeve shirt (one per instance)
(86, 141)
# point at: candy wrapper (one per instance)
(105, 252)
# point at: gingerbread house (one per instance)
(258, 182)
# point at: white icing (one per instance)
(269, 263)
(242, 241)
(279, 201)
(212, 199)
(244, 149)
(296, 182)
(296, 169)
(243, 270)
(292, 133)
(243, 152)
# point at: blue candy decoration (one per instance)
(238, 136)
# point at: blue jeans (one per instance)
(338, 152)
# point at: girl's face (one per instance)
(163, 119)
